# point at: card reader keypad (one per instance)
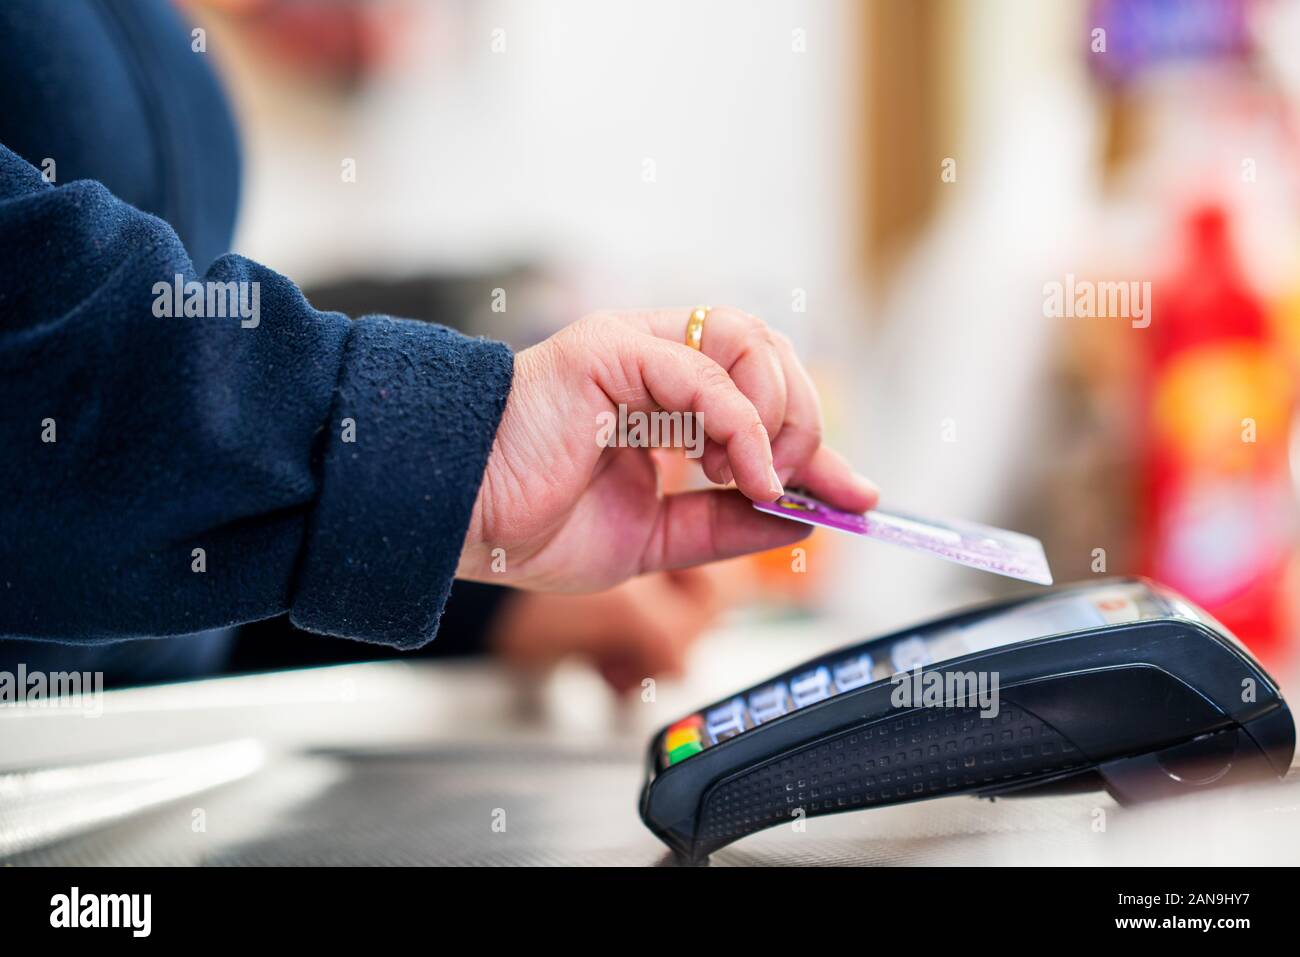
(693, 734)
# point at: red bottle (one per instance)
(1218, 516)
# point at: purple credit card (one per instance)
(978, 546)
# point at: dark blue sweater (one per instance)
(178, 434)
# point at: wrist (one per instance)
(473, 562)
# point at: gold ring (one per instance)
(695, 326)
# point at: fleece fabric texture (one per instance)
(325, 467)
(114, 91)
(275, 644)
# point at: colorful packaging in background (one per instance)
(1142, 35)
(1204, 441)
(1218, 508)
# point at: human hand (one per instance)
(558, 511)
(640, 629)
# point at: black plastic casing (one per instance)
(1146, 709)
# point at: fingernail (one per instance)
(724, 473)
(783, 474)
(775, 489)
(865, 484)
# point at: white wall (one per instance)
(475, 157)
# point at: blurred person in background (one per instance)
(182, 433)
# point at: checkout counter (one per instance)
(464, 763)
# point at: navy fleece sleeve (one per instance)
(165, 475)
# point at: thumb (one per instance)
(696, 527)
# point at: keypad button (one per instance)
(853, 673)
(684, 751)
(726, 721)
(810, 687)
(681, 736)
(909, 653)
(769, 702)
(695, 721)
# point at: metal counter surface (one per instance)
(463, 764)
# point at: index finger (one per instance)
(742, 344)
